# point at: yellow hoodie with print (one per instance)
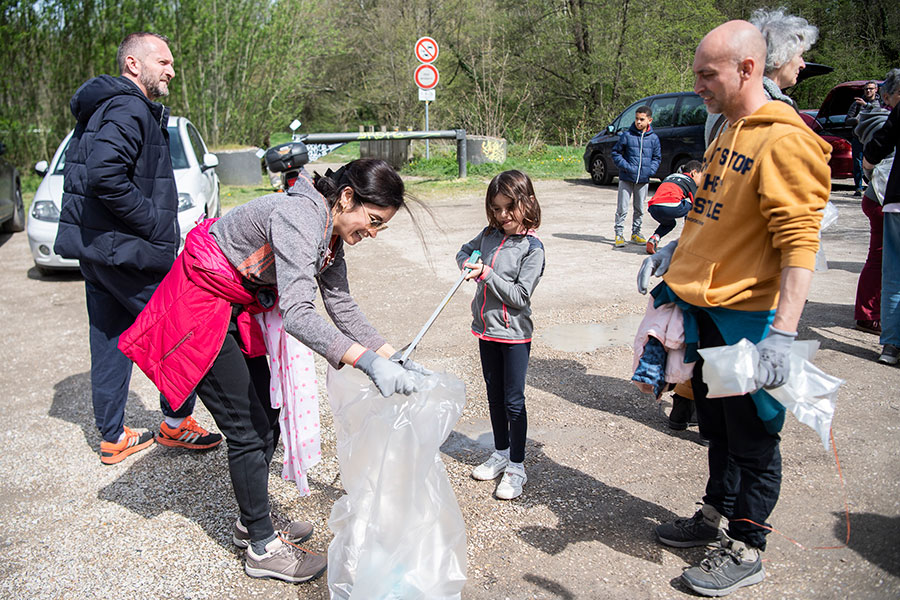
(758, 209)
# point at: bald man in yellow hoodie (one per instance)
(742, 269)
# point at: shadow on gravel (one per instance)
(586, 509)
(558, 590)
(849, 266)
(873, 537)
(600, 239)
(613, 395)
(818, 315)
(194, 484)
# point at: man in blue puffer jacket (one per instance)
(637, 156)
(119, 219)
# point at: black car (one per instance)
(12, 209)
(678, 120)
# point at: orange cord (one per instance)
(837, 462)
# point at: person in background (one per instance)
(512, 263)
(884, 141)
(637, 156)
(119, 219)
(673, 200)
(742, 269)
(869, 101)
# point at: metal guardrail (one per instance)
(363, 136)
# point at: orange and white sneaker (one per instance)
(189, 435)
(111, 453)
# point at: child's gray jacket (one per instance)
(502, 304)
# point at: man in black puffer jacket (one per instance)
(119, 219)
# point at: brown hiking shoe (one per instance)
(294, 533)
(284, 561)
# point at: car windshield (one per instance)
(176, 150)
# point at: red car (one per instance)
(841, 162)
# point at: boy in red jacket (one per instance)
(673, 200)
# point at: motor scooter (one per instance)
(284, 161)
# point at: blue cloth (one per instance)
(637, 155)
(120, 203)
(652, 366)
(734, 325)
(890, 280)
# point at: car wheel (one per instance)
(17, 222)
(600, 174)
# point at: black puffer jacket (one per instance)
(883, 142)
(120, 204)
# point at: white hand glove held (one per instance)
(655, 264)
(389, 377)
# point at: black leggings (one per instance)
(236, 393)
(504, 367)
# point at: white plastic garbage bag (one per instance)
(398, 533)
(809, 393)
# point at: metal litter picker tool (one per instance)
(412, 345)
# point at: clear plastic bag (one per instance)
(398, 532)
(809, 393)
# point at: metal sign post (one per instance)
(426, 76)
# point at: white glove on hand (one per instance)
(410, 365)
(655, 264)
(389, 377)
(774, 364)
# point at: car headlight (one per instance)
(185, 202)
(45, 210)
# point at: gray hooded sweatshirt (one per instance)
(502, 304)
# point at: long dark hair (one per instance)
(516, 186)
(372, 180)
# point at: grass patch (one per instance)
(544, 162)
(235, 195)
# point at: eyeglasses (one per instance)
(375, 223)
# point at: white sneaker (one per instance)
(490, 468)
(511, 485)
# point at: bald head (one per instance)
(728, 66)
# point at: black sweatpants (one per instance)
(236, 393)
(744, 458)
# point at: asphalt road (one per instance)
(603, 467)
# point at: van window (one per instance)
(692, 111)
(626, 119)
(664, 111)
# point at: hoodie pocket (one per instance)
(505, 316)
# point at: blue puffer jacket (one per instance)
(120, 203)
(637, 155)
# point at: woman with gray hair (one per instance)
(787, 38)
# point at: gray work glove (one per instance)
(774, 364)
(410, 365)
(655, 264)
(389, 377)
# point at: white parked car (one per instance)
(195, 178)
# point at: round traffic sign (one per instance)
(426, 49)
(426, 76)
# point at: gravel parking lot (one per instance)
(603, 466)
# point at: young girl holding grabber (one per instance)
(511, 266)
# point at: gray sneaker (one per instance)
(284, 561)
(890, 355)
(295, 532)
(727, 567)
(700, 530)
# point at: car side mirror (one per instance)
(210, 161)
(610, 129)
(41, 167)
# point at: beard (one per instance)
(155, 88)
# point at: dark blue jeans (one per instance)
(115, 297)
(856, 148)
(504, 367)
(744, 459)
(666, 215)
(236, 393)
